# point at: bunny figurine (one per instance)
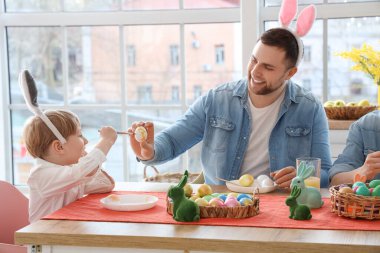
(183, 208)
(309, 196)
(297, 212)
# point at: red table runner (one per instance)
(273, 214)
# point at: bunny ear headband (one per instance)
(305, 21)
(29, 91)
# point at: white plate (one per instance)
(250, 189)
(130, 202)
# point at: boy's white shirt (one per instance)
(53, 186)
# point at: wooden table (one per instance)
(79, 236)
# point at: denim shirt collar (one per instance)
(241, 90)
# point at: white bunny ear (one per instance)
(287, 12)
(305, 20)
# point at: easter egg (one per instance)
(204, 190)
(363, 191)
(240, 196)
(261, 178)
(346, 190)
(267, 183)
(232, 194)
(246, 202)
(376, 191)
(188, 190)
(216, 202)
(201, 202)
(231, 202)
(141, 134)
(222, 197)
(194, 197)
(246, 180)
(374, 183)
(208, 197)
(358, 184)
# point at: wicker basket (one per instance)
(354, 206)
(238, 212)
(348, 112)
(167, 177)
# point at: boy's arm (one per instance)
(100, 183)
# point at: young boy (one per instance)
(64, 172)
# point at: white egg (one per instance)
(267, 183)
(261, 178)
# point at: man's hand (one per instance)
(371, 166)
(284, 177)
(143, 150)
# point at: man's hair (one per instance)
(285, 40)
(38, 136)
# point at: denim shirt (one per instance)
(363, 138)
(221, 118)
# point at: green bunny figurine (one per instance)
(297, 211)
(183, 208)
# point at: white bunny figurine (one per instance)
(309, 196)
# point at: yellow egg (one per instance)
(346, 190)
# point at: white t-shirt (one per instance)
(54, 186)
(263, 120)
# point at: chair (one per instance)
(14, 216)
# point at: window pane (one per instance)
(32, 5)
(351, 86)
(91, 5)
(310, 70)
(91, 121)
(213, 56)
(157, 67)
(22, 161)
(269, 3)
(38, 49)
(191, 4)
(150, 4)
(94, 65)
(351, 1)
(161, 119)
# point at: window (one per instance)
(144, 94)
(307, 54)
(197, 91)
(175, 93)
(131, 57)
(219, 54)
(174, 55)
(343, 29)
(306, 83)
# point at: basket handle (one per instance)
(153, 167)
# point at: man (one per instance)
(362, 152)
(258, 125)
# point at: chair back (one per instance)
(14, 211)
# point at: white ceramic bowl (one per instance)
(249, 189)
(129, 202)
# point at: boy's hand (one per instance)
(143, 150)
(284, 177)
(108, 133)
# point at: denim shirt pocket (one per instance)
(298, 141)
(219, 130)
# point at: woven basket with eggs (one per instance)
(348, 112)
(237, 212)
(354, 206)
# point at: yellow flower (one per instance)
(366, 59)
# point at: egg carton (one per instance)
(354, 206)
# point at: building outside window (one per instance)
(174, 55)
(131, 55)
(175, 93)
(219, 54)
(197, 91)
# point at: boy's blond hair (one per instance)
(38, 136)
